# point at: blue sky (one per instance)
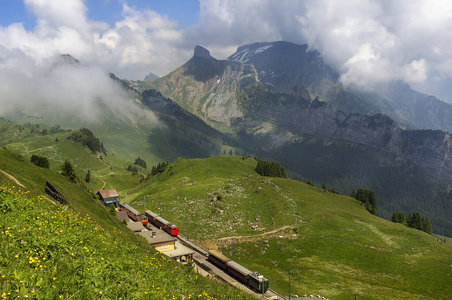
(185, 12)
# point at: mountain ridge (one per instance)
(268, 122)
(283, 65)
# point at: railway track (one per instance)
(213, 270)
(272, 294)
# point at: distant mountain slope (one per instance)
(417, 110)
(282, 66)
(268, 123)
(151, 76)
(207, 87)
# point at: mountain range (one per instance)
(279, 100)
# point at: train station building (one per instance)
(167, 244)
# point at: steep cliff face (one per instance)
(207, 87)
(293, 116)
(431, 149)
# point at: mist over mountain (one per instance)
(62, 85)
(282, 66)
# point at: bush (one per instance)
(40, 161)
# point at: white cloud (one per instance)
(366, 41)
(370, 42)
(31, 77)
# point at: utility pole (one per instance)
(144, 204)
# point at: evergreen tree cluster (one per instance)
(398, 217)
(87, 139)
(56, 129)
(414, 220)
(140, 162)
(367, 198)
(160, 168)
(271, 169)
(133, 169)
(40, 161)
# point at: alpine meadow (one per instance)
(225, 150)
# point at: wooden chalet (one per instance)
(108, 197)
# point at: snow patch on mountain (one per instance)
(244, 55)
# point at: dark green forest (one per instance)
(397, 183)
(88, 139)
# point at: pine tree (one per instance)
(395, 216)
(68, 171)
(88, 177)
(427, 226)
(372, 203)
(259, 168)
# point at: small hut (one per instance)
(108, 197)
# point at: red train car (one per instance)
(133, 213)
(158, 221)
(167, 226)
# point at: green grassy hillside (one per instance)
(331, 245)
(77, 252)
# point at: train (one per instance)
(133, 213)
(165, 225)
(253, 280)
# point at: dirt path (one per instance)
(225, 241)
(26, 148)
(50, 200)
(241, 237)
(13, 179)
(105, 183)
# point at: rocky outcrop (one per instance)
(207, 87)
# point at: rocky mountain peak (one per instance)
(67, 58)
(201, 52)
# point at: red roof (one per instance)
(105, 194)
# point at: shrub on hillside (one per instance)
(40, 161)
(140, 162)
